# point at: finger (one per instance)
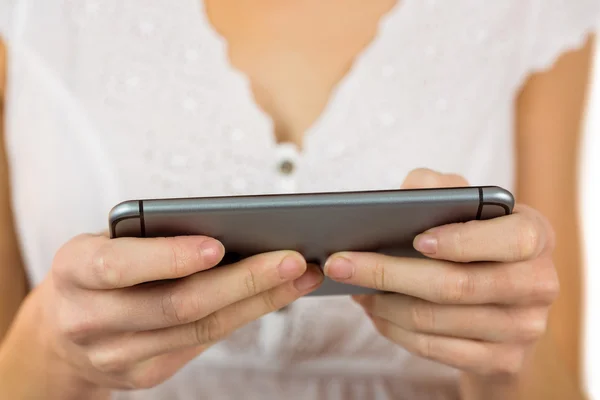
(424, 178)
(467, 355)
(197, 296)
(443, 282)
(523, 235)
(488, 323)
(130, 350)
(96, 262)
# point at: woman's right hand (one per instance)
(128, 313)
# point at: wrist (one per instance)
(547, 365)
(30, 366)
(477, 387)
(542, 366)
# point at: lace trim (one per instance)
(574, 41)
(574, 38)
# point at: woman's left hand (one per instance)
(478, 302)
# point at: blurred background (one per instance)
(591, 222)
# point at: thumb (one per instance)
(424, 178)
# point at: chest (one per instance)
(294, 53)
(152, 96)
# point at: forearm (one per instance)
(549, 377)
(30, 370)
(552, 371)
(550, 112)
(13, 280)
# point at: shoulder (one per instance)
(7, 10)
(559, 26)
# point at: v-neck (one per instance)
(339, 100)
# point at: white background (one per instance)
(591, 225)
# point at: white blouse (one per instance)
(110, 100)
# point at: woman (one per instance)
(113, 100)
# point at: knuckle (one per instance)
(60, 280)
(546, 286)
(422, 316)
(66, 260)
(75, 329)
(180, 259)
(178, 309)
(552, 286)
(104, 266)
(550, 235)
(383, 327)
(109, 361)
(270, 302)
(209, 329)
(171, 313)
(250, 282)
(141, 381)
(459, 243)
(458, 286)
(552, 289)
(378, 275)
(531, 329)
(528, 240)
(424, 347)
(505, 280)
(508, 362)
(61, 264)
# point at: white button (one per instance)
(387, 71)
(387, 119)
(286, 167)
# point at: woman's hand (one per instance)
(480, 299)
(128, 313)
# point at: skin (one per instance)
(269, 42)
(13, 283)
(80, 339)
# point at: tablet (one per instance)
(314, 224)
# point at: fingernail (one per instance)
(211, 251)
(289, 268)
(339, 268)
(311, 278)
(426, 243)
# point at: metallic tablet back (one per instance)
(316, 225)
